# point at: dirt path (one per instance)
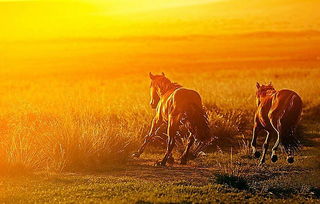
(144, 169)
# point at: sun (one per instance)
(129, 6)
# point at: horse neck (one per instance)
(167, 88)
(268, 95)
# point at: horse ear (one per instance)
(162, 74)
(258, 85)
(151, 75)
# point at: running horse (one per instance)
(278, 114)
(176, 108)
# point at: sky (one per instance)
(52, 19)
(108, 34)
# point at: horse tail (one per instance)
(290, 139)
(198, 118)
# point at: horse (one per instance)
(278, 114)
(177, 108)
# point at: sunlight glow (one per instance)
(128, 6)
(83, 18)
(126, 27)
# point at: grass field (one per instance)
(74, 98)
(68, 136)
(212, 179)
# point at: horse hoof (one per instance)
(159, 164)
(290, 160)
(274, 158)
(201, 154)
(136, 155)
(257, 154)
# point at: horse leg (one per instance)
(198, 151)
(255, 132)
(278, 129)
(172, 129)
(185, 154)
(274, 156)
(170, 159)
(290, 158)
(290, 150)
(155, 125)
(264, 149)
(147, 140)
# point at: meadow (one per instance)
(76, 122)
(70, 121)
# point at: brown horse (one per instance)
(176, 108)
(278, 114)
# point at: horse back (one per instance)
(286, 108)
(183, 97)
(186, 107)
(177, 102)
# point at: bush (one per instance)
(232, 181)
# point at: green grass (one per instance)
(212, 178)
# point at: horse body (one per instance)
(178, 101)
(177, 108)
(284, 105)
(185, 106)
(278, 114)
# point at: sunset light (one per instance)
(114, 18)
(159, 101)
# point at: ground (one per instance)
(216, 177)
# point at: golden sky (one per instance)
(83, 34)
(47, 19)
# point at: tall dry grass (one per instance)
(83, 122)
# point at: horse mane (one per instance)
(164, 85)
(266, 90)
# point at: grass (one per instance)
(83, 122)
(141, 182)
(232, 181)
(114, 190)
(91, 123)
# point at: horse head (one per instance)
(263, 90)
(155, 88)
